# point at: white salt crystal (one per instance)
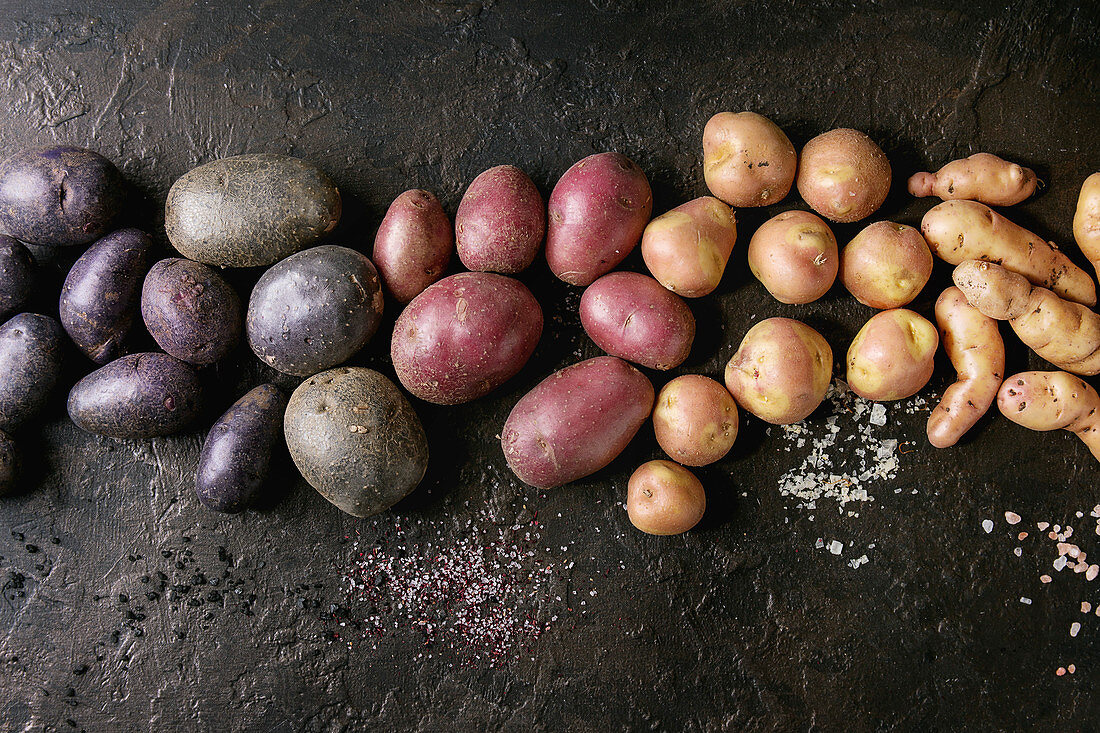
(878, 414)
(836, 547)
(1025, 600)
(987, 525)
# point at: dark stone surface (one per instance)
(110, 616)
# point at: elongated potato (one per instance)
(413, 245)
(687, 248)
(843, 175)
(31, 349)
(981, 177)
(886, 265)
(663, 498)
(892, 356)
(747, 159)
(1086, 220)
(576, 421)
(695, 420)
(974, 345)
(794, 255)
(967, 230)
(1052, 401)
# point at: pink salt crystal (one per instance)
(1044, 578)
(1085, 606)
(1071, 668)
(1061, 671)
(1042, 525)
(1012, 517)
(1091, 574)
(1022, 536)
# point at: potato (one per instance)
(413, 245)
(576, 421)
(500, 223)
(1086, 220)
(250, 210)
(16, 275)
(687, 248)
(356, 439)
(190, 311)
(891, 357)
(598, 210)
(314, 310)
(886, 265)
(1053, 401)
(695, 420)
(631, 316)
(794, 255)
(843, 175)
(981, 177)
(31, 348)
(663, 498)
(59, 196)
(137, 396)
(9, 463)
(747, 159)
(465, 336)
(236, 454)
(780, 371)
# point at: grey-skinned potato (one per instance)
(9, 463)
(191, 311)
(31, 351)
(356, 439)
(17, 276)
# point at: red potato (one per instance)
(687, 248)
(576, 421)
(795, 256)
(747, 159)
(663, 498)
(981, 177)
(891, 357)
(465, 336)
(780, 371)
(886, 265)
(413, 246)
(631, 316)
(695, 420)
(843, 175)
(1053, 401)
(500, 223)
(598, 210)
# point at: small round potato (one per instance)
(687, 248)
(191, 311)
(795, 256)
(886, 265)
(501, 222)
(843, 175)
(695, 420)
(747, 159)
(413, 245)
(781, 371)
(892, 356)
(663, 498)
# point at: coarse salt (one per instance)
(1018, 552)
(1085, 606)
(1042, 525)
(1012, 517)
(987, 525)
(1045, 578)
(1025, 600)
(1075, 628)
(836, 547)
(1092, 572)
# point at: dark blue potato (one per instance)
(31, 347)
(237, 452)
(9, 463)
(191, 311)
(16, 275)
(314, 310)
(59, 196)
(99, 296)
(137, 396)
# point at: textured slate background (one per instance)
(740, 624)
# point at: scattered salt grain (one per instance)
(1018, 552)
(878, 414)
(861, 560)
(1045, 578)
(1071, 668)
(1012, 517)
(836, 547)
(987, 525)
(1022, 536)
(1061, 671)
(1074, 628)
(1025, 600)
(1042, 525)
(1085, 606)
(1092, 572)
(1060, 563)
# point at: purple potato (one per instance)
(138, 396)
(501, 222)
(237, 453)
(190, 311)
(314, 310)
(16, 275)
(59, 196)
(9, 463)
(31, 349)
(100, 293)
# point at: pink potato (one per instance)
(687, 248)
(695, 420)
(843, 175)
(663, 498)
(747, 159)
(501, 221)
(413, 246)
(886, 265)
(631, 316)
(891, 357)
(465, 336)
(576, 421)
(794, 255)
(598, 210)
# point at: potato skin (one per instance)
(891, 357)
(356, 439)
(137, 396)
(695, 420)
(781, 371)
(981, 177)
(886, 265)
(413, 245)
(17, 275)
(747, 159)
(191, 311)
(9, 463)
(1086, 220)
(100, 293)
(1051, 401)
(664, 498)
(250, 210)
(465, 336)
(31, 348)
(843, 175)
(632, 316)
(500, 222)
(59, 196)
(597, 212)
(687, 248)
(794, 255)
(236, 454)
(576, 421)
(314, 309)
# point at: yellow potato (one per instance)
(695, 420)
(1053, 401)
(981, 177)
(747, 159)
(795, 256)
(1086, 220)
(891, 357)
(664, 498)
(886, 265)
(843, 175)
(687, 248)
